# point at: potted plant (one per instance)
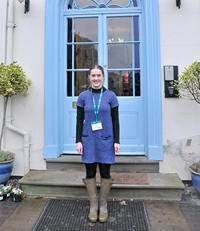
(189, 85)
(195, 174)
(13, 81)
(17, 194)
(6, 190)
(6, 165)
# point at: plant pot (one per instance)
(16, 198)
(3, 197)
(5, 171)
(195, 180)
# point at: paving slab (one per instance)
(25, 215)
(163, 216)
(191, 213)
(166, 216)
(7, 208)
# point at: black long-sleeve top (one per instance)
(81, 115)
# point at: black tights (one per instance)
(91, 170)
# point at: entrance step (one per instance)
(68, 184)
(122, 164)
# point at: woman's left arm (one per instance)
(115, 122)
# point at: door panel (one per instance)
(114, 42)
(124, 78)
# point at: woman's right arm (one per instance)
(79, 128)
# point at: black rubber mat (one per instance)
(71, 215)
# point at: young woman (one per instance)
(97, 138)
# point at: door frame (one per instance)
(54, 71)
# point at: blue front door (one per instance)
(122, 36)
(113, 40)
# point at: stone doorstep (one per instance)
(123, 159)
(74, 178)
(69, 184)
(122, 164)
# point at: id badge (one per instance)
(97, 125)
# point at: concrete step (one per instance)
(68, 184)
(123, 164)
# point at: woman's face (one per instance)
(96, 78)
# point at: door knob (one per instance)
(105, 65)
(74, 104)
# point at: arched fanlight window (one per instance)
(92, 4)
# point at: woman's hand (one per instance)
(79, 148)
(117, 147)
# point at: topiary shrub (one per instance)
(189, 85)
(189, 82)
(13, 81)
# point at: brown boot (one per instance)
(92, 193)
(105, 188)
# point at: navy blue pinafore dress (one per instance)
(98, 146)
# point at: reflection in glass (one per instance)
(135, 3)
(119, 55)
(85, 30)
(136, 28)
(69, 83)
(121, 82)
(120, 2)
(119, 29)
(85, 56)
(81, 82)
(137, 55)
(69, 57)
(137, 83)
(69, 33)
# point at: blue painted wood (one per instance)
(131, 108)
(53, 118)
(55, 71)
(153, 80)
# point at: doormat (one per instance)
(72, 215)
(127, 178)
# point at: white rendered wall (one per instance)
(28, 112)
(3, 15)
(180, 45)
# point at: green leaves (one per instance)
(189, 82)
(13, 80)
(6, 156)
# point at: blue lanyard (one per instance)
(96, 109)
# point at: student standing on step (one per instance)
(97, 138)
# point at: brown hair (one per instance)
(96, 67)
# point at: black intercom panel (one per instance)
(170, 74)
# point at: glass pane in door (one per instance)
(84, 3)
(137, 83)
(81, 82)
(119, 29)
(121, 82)
(85, 56)
(82, 52)
(119, 56)
(85, 30)
(124, 55)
